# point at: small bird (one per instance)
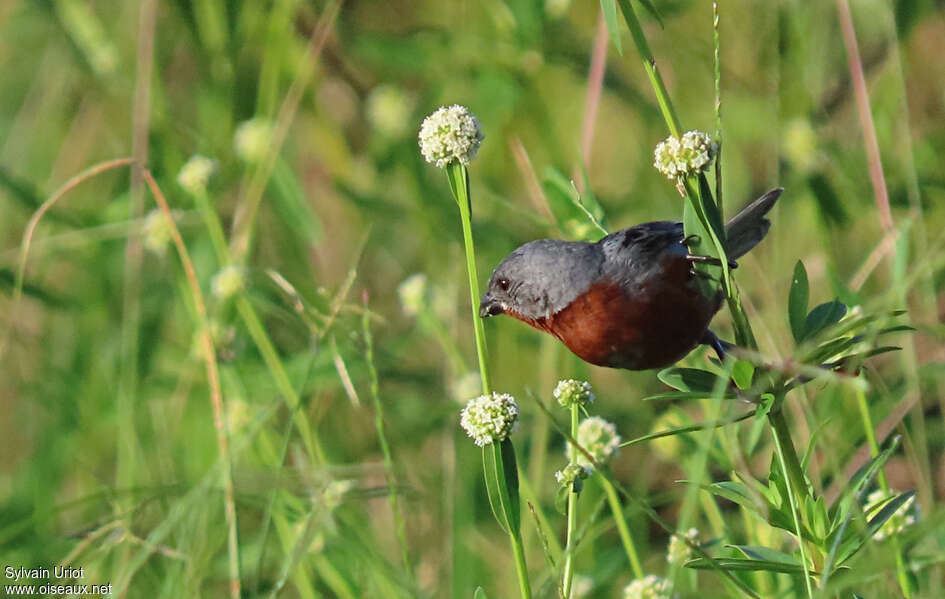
(630, 300)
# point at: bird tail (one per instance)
(749, 227)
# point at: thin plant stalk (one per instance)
(459, 181)
(902, 576)
(401, 529)
(216, 396)
(459, 184)
(795, 516)
(625, 537)
(258, 332)
(568, 575)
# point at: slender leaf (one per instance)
(823, 316)
(609, 10)
(797, 302)
(689, 379)
(735, 564)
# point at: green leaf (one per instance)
(738, 493)
(689, 379)
(651, 8)
(609, 10)
(292, 205)
(862, 477)
(479, 594)
(742, 373)
(797, 301)
(823, 316)
(735, 564)
(511, 480)
(493, 487)
(766, 554)
(687, 429)
(875, 523)
(687, 395)
(501, 474)
(561, 499)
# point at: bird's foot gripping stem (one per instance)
(709, 260)
(721, 347)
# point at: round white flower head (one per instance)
(599, 438)
(569, 474)
(413, 294)
(451, 133)
(690, 155)
(388, 110)
(195, 173)
(903, 517)
(679, 551)
(227, 282)
(157, 231)
(490, 418)
(570, 392)
(252, 139)
(648, 587)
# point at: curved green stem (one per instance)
(622, 528)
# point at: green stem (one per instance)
(274, 364)
(520, 568)
(459, 182)
(400, 527)
(649, 64)
(622, 528)
(794, 473)
(901, 575)
(785, 448)
(572, 510)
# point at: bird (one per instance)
(631, 300)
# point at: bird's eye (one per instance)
(503, 284)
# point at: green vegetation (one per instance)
(236, 332)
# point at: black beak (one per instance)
(489, 307)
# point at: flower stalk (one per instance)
(572, 509)
(450, 138)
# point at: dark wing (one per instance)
(632, 253)
(749, 227)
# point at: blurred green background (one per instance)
(109, 455)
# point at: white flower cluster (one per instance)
(157, 231)
(679, 551)
(690, 155)
(451, 133)
(195, 174)
(648, 587)
(599, 438)
(569, 474)
(490, 418)
(252, 139)
(227, 282)
(570, 392)
(904, 516)
(388, 110)
(413, 294)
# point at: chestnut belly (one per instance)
(653, 327)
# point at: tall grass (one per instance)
(125, 454)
